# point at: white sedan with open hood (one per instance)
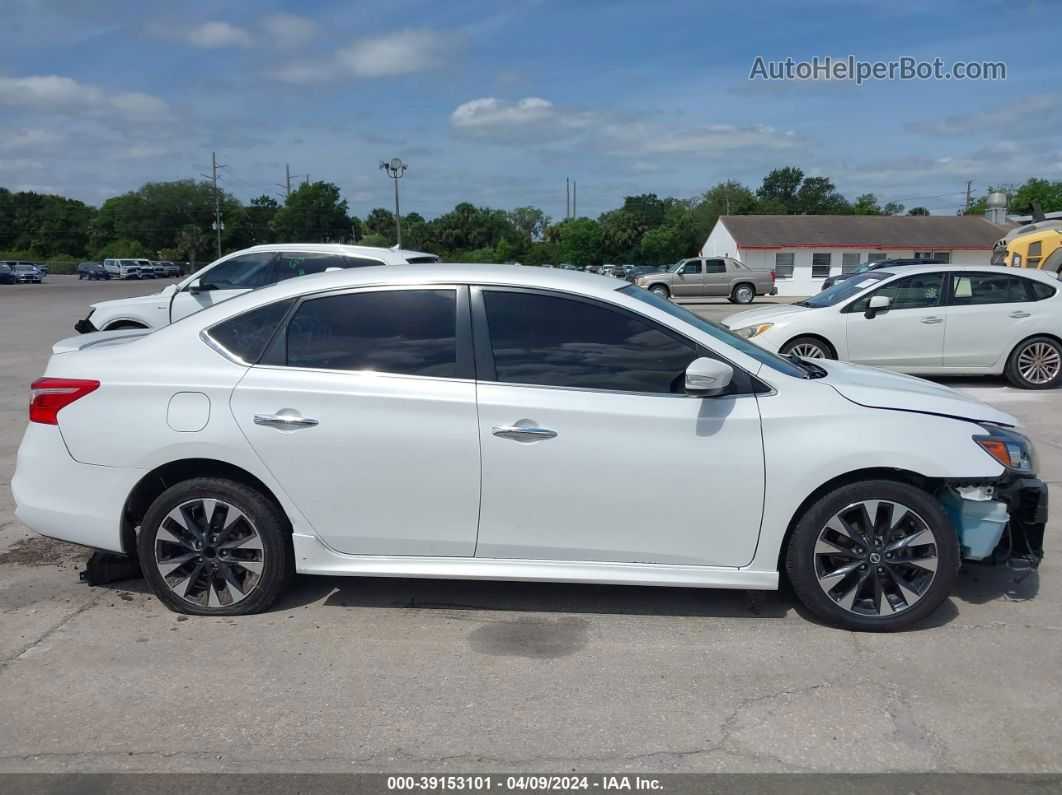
(439, 421)
(926, 320)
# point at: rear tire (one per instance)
(808, 348)
(743, 294)
(214, 547)
(1036, 363)
(876, 556)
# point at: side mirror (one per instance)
(707, 377)
(878, 303)
(194, 288)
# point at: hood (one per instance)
(150, 298)
(765, 314)
(882, 389)
(99, 339)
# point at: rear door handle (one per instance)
(284, 419)
(1018, 314)
(522, 434)
(931, 320)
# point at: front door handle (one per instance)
(1018, 314)
(284, 419)
(929, 321)
(522, 434)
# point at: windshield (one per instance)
(718, 332)
(675, 267)
(863, 268)
(842, 291)
(131, 262)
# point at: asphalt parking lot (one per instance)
(405, 675)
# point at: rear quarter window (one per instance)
(1040, 291)
(246, 336)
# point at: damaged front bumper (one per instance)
(1002, 519)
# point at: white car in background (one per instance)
(232, 275)
(440, 421)
(926, 320)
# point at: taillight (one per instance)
(49, 395)
(772, 276)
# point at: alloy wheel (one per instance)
(875, 558)
(808, 350)
(1039, 363)
(744, 295)
(209, 553)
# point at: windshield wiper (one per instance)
(813, 370)
(800, 303)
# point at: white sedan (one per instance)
(440, 421)
(926, 320)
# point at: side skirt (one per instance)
(313, 557)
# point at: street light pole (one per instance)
(395, 168)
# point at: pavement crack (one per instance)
(7, 661)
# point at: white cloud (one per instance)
(1037, 115)
(64, 94)
(288, 30)
(389, 55)
(212, 35)
(530, 117)
(537, 119)
(16, 139)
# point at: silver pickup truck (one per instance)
(721, 276)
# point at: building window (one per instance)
(820, 265)
(943, 256)
(783, 265)
(849, 262)
(876, 256)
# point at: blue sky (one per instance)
(497, 102)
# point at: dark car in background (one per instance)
(872, 265)
(92, 270)
(167, 268)
(7, 276)
(641, 270)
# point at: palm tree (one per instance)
(190, 242)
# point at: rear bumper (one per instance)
(59, 497)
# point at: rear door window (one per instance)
(970, 289)
(409, 332)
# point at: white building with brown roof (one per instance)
(802, 250)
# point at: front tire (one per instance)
(876, 556)
(660, 290)
(214, 547)
(1035, 364)
(808, 348)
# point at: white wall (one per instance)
(720, 243)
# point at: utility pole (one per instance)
(969, 184)
(575, 195)
(287, 180)
(395, 168)
(218, 226)
(567, 198)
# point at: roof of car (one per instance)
(1039, 275)
(340, 248)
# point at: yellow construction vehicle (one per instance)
(1035, 245)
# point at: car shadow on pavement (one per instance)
(979, 583)
(397, 593)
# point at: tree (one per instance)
(918, 211)
(726, 198)
(381, 222)
(259, 220)
(892, 208)
(662, 245)
(779, 188)
(529, 221)
(190, 242)
(817, 196)
(313, 212)
(1046, 193)
(866, 204)
(580, 241)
